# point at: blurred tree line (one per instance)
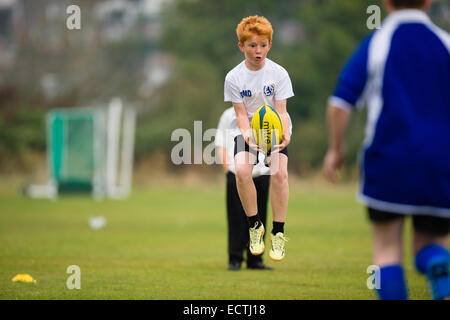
(54, 67)
(312, 40)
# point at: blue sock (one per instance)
(392, 283)
(433, 260)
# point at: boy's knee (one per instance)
(243, 174)
(280, 175)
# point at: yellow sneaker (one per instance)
(278, 242)
(256, 244)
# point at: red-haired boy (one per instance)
(252, 83)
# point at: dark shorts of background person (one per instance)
(435, 226)
(241, 145)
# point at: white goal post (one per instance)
(89, 150)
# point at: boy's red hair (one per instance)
(254, 25)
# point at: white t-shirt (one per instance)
(225, 139)
(256, 88)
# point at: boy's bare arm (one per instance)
(337, 121)
(280, 106)
(244, 125)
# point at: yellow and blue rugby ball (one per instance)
(267, 127)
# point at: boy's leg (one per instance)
(387, 233)
(279, 196)
(262, 190)
(244, 161)
(262, 184)
(279, 187)
(432, 257)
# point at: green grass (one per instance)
(169, 242)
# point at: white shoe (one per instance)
(256, 244)
(278, 242)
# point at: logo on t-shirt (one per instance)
(269, 90)
(246, 93)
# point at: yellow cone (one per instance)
(23, 277)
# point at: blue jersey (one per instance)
(401, 73)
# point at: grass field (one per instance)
(169, 242)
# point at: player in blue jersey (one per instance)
(401, 73)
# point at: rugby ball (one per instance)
(267, 127)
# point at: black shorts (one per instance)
(241, 145)
(435, 226)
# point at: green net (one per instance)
(72, 149)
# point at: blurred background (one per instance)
(160, 65)
(168, 59)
